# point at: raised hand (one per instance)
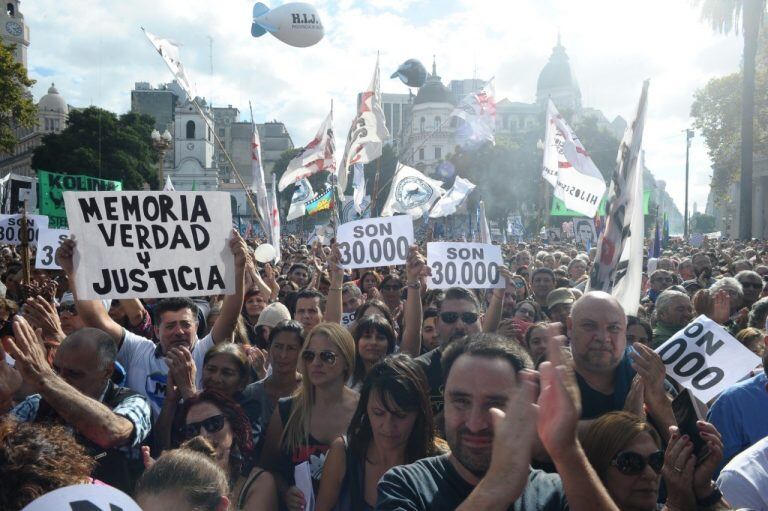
(27, 349)
(64, 256)
(702, 475)
(648, 365)
(42, 314)
(181, 367)
(415, 265)
(721, 307)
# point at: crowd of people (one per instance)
(315, 387)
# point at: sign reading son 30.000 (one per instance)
(375, 241)
(470, 265)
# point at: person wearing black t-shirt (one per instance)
(489, 464)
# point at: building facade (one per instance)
(193, 163)
(13, 30)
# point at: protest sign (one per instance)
(375, 241)
(347, 318)
(704, 358)
(11, 232)
(47, 243)
(17, 192)
(52, 186)
(470, 265)
(151, 244)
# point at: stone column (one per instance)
(758, 206)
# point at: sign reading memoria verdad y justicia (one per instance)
(470, 265)
(375, 241)
(151, 244)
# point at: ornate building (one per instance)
(193, 164)
(13, 30)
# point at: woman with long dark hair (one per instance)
(374, 339)
(391, 426)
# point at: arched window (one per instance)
(437, 123)
(190, 129)
(421, 154)
(422, 124)
(10, 10)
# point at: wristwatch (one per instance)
(415, 285)
(711, 499)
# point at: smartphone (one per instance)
(688, 410)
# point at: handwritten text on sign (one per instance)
(375, 241)
(11, 231)
(145, 244)
(47, 243)
(470, 265)
(704, 358)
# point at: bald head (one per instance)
(596, 301)
(94, 340)
(597, 328)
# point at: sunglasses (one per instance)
(327, 357)
(467, 318)
(211, 425)
(631, 463)
(69, 309)
(753, 285)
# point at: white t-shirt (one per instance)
(146, 368)
(744, 480)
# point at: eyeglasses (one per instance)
(631, 463)
(211, 425)
(468, 318)
(753, 285)
(68, 309)
(327, 357)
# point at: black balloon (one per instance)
(412, 73)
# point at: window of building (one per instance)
(190, 129)
(221, 132)
(422, 124)
(421, 154)
(210, 134)
(438, 153)
(10, 10)
(437, 123)
(47, 125)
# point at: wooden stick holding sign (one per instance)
(470, 265)
(151, 244)
(704, 358)
(372, 242)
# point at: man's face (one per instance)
(350, 302)
(584, 233)
(429, 337)
(448, 331)
(308, 312)
(542, 284)
(79, 366)
(70, 319)
(523, 259)
(702, 266)
(661, 281)
(679, 312)
(752, 287)
(177, 329)
(597, 330)
(560, 312)
(300, 276)
(686, 270)
(474, 386)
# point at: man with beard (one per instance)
(175, 325)
(492, 418)
(702, 268)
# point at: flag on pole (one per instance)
(320, 203)
(301, 195)
(619, 260)
(257, 175)
(367, 133)
(569, 168)
(411, 192)
(452, 200)
(168, 185)
(665, 232)
(478, 111)
(317, 156)
(358, 187)
(485, 232)
(274, 220)
(656, 251)
(169, 51)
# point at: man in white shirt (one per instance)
(175, 325)
(744, 481)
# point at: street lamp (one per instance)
(161, 143)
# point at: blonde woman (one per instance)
(316, 414)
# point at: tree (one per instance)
(16, 107)
(601, 145)
(725, 16)
(702, 223)
(100, 144)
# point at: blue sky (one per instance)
(95, 51)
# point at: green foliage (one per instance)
(702, 223)
(16, 106)
(100, 144)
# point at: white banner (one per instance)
(470, 265)
(411, 192)
(704, 358)
(10, 228)
(47, 243)
(349, 210)
(375, 241)
(450, 202)
(151, 244)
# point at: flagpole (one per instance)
(375, 193)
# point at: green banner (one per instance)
(51, 186)
(559, 209)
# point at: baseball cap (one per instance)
(558, 296)
(273, 314)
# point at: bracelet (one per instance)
(414, 285)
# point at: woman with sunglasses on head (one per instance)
(391, 426)
(319, 412)
(625, 451)
(223, 423)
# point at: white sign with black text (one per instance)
(10, 228)
(47, 243)
(704, 358)
(151, 244)
(470, 265)
(375, 241)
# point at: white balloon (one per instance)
(296, 23)
(265, 253)
(89, 496)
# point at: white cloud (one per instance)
(97, 52)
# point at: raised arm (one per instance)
(493, 314)
(91, 312)
(333, 304)
(233, 304)
(415, 267)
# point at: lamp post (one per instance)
(161, 143)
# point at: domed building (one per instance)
(558, 82)
(52, 111)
